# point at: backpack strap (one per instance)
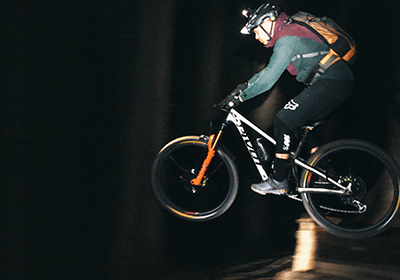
(321, 67)
(309, 55)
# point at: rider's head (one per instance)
(262, 22)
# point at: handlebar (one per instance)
(222, 106)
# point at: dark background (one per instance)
(90, 91)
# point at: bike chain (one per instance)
(340, 211)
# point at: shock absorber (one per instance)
(211, 151)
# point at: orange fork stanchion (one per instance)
(211, 151)
(206, 163)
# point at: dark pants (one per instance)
(311, 105)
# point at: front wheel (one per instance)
(373, 204)
(178, 163)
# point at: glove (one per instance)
(230, 102)
(239, 89)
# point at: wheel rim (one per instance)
(176, 192)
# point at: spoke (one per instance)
(350, 167)
(176, 182)
(215, 169)
(177, 165)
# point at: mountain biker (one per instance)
(291, 42)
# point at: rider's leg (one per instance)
(280, 166)
(277, 182)
(311, 104)
(284, 139)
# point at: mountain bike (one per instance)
(349, 187)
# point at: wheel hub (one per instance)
(358, 190)
(188, 177)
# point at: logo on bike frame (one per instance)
(249, 146)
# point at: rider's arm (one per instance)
(264, 80)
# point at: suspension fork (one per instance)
(212, 144)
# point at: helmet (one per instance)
(265, 11)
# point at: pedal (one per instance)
(292, 195)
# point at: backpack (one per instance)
(341, 45)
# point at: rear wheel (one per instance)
(372, 206)
(178, 163)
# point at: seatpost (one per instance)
(301, 143)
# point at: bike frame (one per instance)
(237, 119)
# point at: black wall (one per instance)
(91, 91)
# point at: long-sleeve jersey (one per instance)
(288, 45)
